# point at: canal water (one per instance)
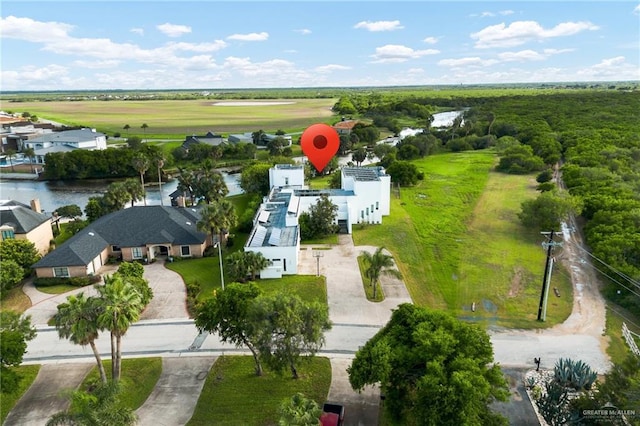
(57, 194)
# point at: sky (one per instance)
(154, 45)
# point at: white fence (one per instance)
(628, 336)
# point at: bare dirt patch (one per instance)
(517, 285)
(251, 103)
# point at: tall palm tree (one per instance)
(122, 305)
(211, 186)
(141, 164)
(77, 320)
(30, 153)
(158, 160)
(126, 129)
(378, 263)
(144, 129)
(10, 153)
(216, 218)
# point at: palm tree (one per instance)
(378, 263)
(29, 153)
(256, 262)
(217, 218)
(211, 186)
(141, 164)
(134, 189)
(299, 410)
(186, 183)
(10, 154)
(122, 305)
(158, 159)
(77, 320)
(126, 129)
(144, 129)
(237, 268)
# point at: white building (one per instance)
(363, 198)
(66, 141)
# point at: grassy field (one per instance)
(458, 241)
(15, 300)
(234, 395)
(187, 117)
(9, 400)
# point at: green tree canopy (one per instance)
(70, 211)
(545, 212)
(320, 220)
(255, 179)
(227, 314)
(286, 328)
(15, 332)
(22, 252)
(432, 368)
(299, 411)
(404, 173)
(11, 275)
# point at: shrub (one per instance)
(72, 281)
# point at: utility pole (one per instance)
(544, 294)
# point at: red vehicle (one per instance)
(332, 414)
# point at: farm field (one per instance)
(458, 241)
(176, 117)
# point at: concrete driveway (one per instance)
(176, 394)
(48, 394)
(169, 293)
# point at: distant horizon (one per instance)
(173, 45)
(408, 86)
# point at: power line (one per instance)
(621, 274)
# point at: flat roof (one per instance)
(363, 173)
(271, 230)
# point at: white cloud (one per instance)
(31, 77)
(520, 32)
(330, 68)
(506, 12)
(379, 25)
(111, 63)
(431, 40)
(611, 69)
(172, 30)
(198, 47)
(399, 53)
(138, 31)
(34, 31)
(636, 10)
(249, 37)
(303, 31)
(467, 62)
(487, 14)
(523, 55)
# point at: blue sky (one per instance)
(62, 45)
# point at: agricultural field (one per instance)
(457, 240)
(168, 118)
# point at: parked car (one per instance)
(332, 414)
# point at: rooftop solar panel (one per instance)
(263, 217)
(258, 236)
(274, 239)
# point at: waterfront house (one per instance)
(65, 141)
(140, 233)
(21, 222)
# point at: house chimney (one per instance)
(35, 205)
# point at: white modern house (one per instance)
(364, 198)
(66, 141)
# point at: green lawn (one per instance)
(457, 240)
(9, 400)
(234, 395)
(138, 378)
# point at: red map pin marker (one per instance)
(320, 143)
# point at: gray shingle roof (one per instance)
(20, 216)
(131, 227)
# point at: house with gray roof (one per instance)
(65, 141)
(21, 222)
(136, 233)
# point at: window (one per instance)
(367, 211)
(7, 234)
(136, 253)
(286, 181)
(185, 251)
(377, 205)
(362, 214)
(284, 261)
(62, 272)
(115, 248)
